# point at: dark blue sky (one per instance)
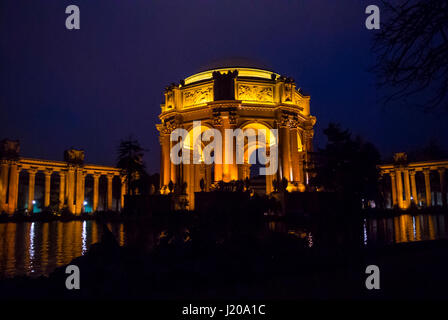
(92, 87)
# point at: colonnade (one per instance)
(71, 183)
(404, 183)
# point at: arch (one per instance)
(259, 125)
(190, 139)
(250, 147)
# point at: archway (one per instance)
(259, 140)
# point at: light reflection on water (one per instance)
(406, 228)
(36, 248)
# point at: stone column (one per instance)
(284, 151)
(123, 191)
(233, 120)
(31, 185)
(79, 190)
(62, 176)
(426, 172)
(295, 155)
(173, 167)
(393, 183)
(165, 167)
(407, 188)
(226, 166)
(47, 173)
(71, 189)
(413, 187)
(399, 189)
(218, 166)
(109, 191)
(442, 185)
(13, 187)
(4, 171)
(96, 180)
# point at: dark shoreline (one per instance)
(117, 217)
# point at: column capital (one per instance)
(217, 119)
(96, 175)
(284, 122)
(48, 171)
(62, 173)
(233, 118)
(441, 170)
(392, 174)
(426, 171)
(32, 171)
(412, 172)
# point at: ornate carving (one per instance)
(217, 119)
(169, 99)
(294, 122)
(284, 121)
(288, 93)
(233, 117)
(197, 96)
(74, 156)
(400, 157)
(9, 149)
(170, 126)
(255, 93)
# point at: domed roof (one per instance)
(241, 62)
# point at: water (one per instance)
(405, 228)
(37, 248)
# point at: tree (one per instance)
(130, 161)
(412, 49)
(347, 165)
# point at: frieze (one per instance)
(198, 96)
(255, 93)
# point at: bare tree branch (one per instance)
(412, 52)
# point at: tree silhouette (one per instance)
(130, 161)
(412, 49)
(347, 165)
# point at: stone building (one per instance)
(231, 96)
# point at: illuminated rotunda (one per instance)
(230, 97)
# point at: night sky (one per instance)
(92, 87)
